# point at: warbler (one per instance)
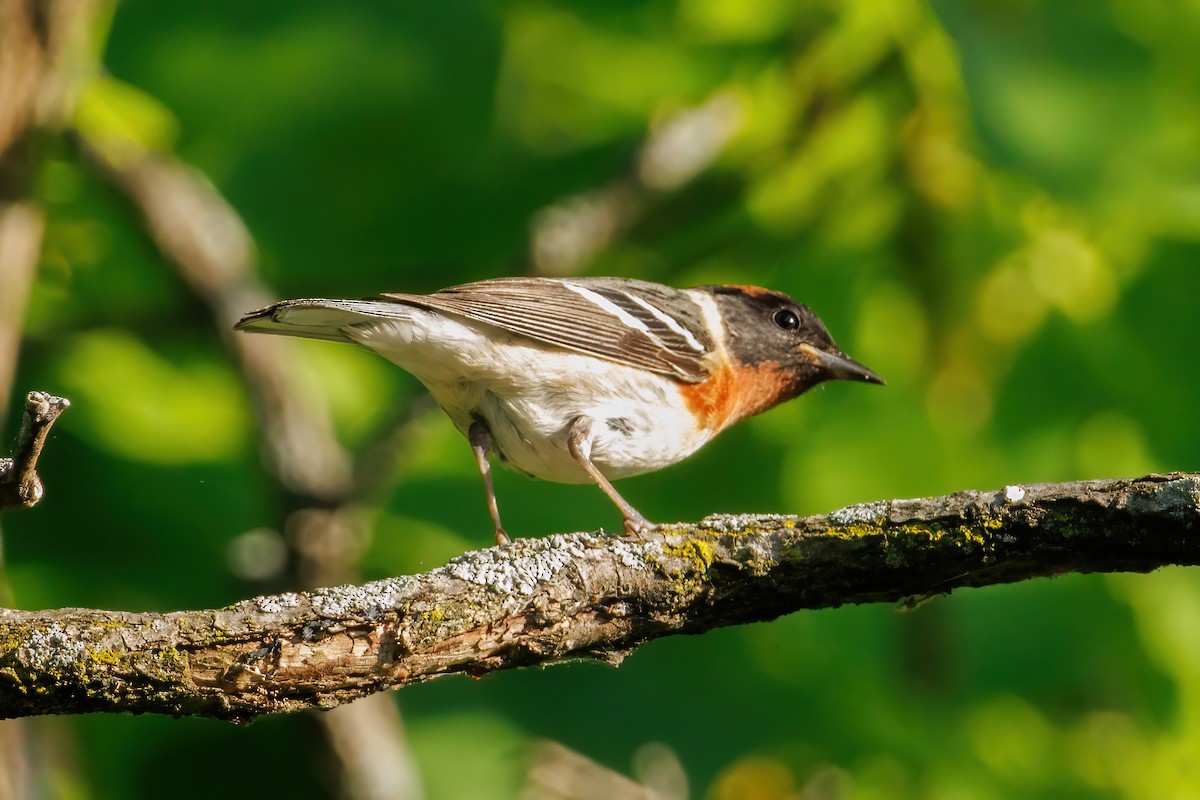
(579, 380)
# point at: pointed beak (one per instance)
(839, 367)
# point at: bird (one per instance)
(585, 379)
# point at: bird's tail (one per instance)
(317, 319)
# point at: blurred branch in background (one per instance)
(203, 236)
(42, 46)
(200, 232)
(559, 773)
(545, 601)
(21, 226)
(569, 234)
(39, 75)
(44, 52)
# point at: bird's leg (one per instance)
(480, 438)
(579, 442)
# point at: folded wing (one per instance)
(635, 323)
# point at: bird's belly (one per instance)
(639, 422)
(624, 441)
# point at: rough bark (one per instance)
(583, 595)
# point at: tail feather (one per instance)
(316, 319)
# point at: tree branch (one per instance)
(583, 595)
(20, 486)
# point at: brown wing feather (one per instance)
(546, 310)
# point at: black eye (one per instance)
(786, 319)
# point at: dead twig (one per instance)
(20, 486)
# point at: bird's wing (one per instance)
(635, 323)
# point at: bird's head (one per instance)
(782, 342)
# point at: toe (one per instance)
(638, 524)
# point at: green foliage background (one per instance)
(993, 203)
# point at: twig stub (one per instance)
(20, 486)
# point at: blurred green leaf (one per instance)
(138, 404)
(122, 118)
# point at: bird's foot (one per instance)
(636, 523)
